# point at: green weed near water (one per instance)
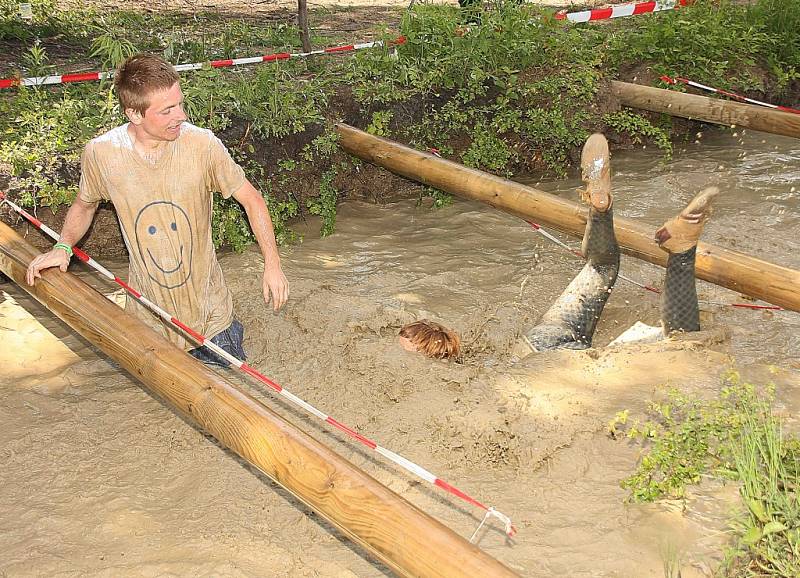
(47, 133)
(736, 437)
(722, 42)
(768, 466)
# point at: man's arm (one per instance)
(274, 282)
(76, 223)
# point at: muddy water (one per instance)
(98, 478)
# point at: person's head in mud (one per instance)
(150, 95)
(431, 339)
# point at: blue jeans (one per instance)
(230, 340)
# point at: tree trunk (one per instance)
(707, 109)
(302, 23)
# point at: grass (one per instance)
(733, 437)
(517, 91)
(767, 465)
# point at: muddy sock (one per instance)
(679, 308)
(599, 242)
(571, 320)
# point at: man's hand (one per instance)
(54, 258)
(76, 223)
(275, 284)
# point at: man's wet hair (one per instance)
(139, 77)
(432, 339)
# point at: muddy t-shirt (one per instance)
(165, 213)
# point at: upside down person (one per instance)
(571, 321)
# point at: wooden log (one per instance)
(724, 267)
(703, 108)
(389, 527)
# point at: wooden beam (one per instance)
(731, 269)
(703, 108)
(393, 530)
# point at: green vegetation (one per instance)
(734, 437)
(518, 91)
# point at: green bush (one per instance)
(734, 436)
(46, 135)
(503, 89)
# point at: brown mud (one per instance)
(100, 479)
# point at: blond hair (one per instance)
(432, 339)
(139, 77)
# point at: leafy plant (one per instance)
(278, 104)
(769, 532)
(324, 205)
(487, 151)
(735, 436)
(708, 41)
(111, 50)
(638, 127)
(229, 225)
(380, 123)
(322, 147)
(35, 60)
(49, 133)
(440, 198)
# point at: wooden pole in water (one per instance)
(731, 269)
(400, 535)
(707, 109)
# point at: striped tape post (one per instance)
(397, 459)
(620, 11)
(89, 76)
(549, 236)
(680, 80)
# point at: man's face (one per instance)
(163, 118)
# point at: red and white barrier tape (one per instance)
(244, 367)
(739, 97)
(649, 288)
(88, 76)
(620, 10)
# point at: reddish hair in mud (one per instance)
(432, 339)
(139, 77)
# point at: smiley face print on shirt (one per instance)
(164, 240)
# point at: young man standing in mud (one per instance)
(160, 171)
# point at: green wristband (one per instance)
(64, 247)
